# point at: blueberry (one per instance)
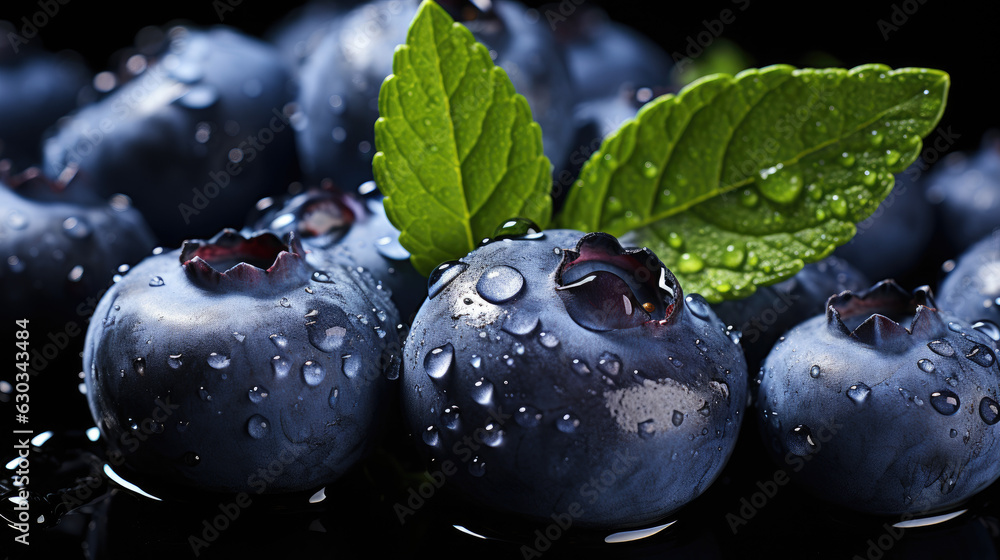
(604, 56)
(207, 364)
(542, 362)
(966, 189)
(60, 248)
(882, 418)
(904, 222)
(971, 290)
(36, 88)
(194, 140)
(761, 318)
(351, 231)
(340, 81)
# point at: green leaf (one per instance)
(737, 182)
(458, 153)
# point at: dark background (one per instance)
(957, 37)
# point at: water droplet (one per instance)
(988, 328)
(449, 418)
(218, 361)
(326, 339)
(492, 435)
(156, 281)
(953, 433)
(439, 361)
(431, 436)
(647, 429)
(75, 228)
(800, 441)
(139, 365)
(17, 220)
(257, 426)
(239, 336)
(279, 341)
(477, 467)
(912, 397)
(281, 366)
(941, 348)
(518, 348)
(749, 198)
(675, 240)
(334, 394)
(476, 361)
(568, 423)
(518, 228)
(528, 416)
(989, 410)
(705, 410)
(191, 459)
(609, 363)
(678, 418)
(442, 276)
(284, 302)
(838, 206)
(954, 327)
(350, 365)
(313, 372)
(482, 391)
(580, 367)
(322, 277)
(390, 248)
(548, 340)
(858, 393)
(981, 355)
(690, 264)
(814, 372)
(174, 361)
(925, 365)
(846, 159)
(649, 170)
(257, 394)
(500, 284)
(520, 324)
(698, 306)
(945, 402)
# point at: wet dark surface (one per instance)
(746, 509)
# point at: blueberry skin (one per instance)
(966, 190)
(194, 140)
(762, 317)
(340, 81)
(504, 385)
(971, 290)
(882, 419)
(36, 88)
(903, 222)
(350, 231)
(201, 377)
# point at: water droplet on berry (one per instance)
(945, 402)
(174, 361)
(528, 416)
(313, 372)
(568, 423)
(450, 418)
(518, 228)
(477, 467)
(925, 365)
(800, 441)
(580, 367)
(390, 248)
(941, 348)
(442, 276)
(981, 355)
(17, 220)
(139, 365)
(334, 394)
(548, 340)
(988, 328)
(257, 394)
(431, 436)
(279, 341)
(953, 433)
(858, 393)
(482, 391)
(439, 361)
(698, 306)
(191, 459)
(322, 277)
(156, 281)
(326, 339)
(520, 324)
(647, 429)
(492, 435)
(350, 365)
(814, 371)
(500, 284)
(989, 410)
(678, 418)
(609, 363)
(281, 366)
(76, 228)
(218, 361)
(257, 426)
